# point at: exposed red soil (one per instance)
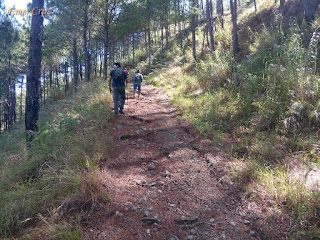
(163, 170)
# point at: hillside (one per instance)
(220, 145)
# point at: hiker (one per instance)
(127, 72)
(119, 78)
(137, 80)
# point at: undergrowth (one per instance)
(72, 139)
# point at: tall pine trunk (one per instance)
(175, 19)
(66, 79)
(149, 35)
(209, 23)
(75, 65)
(310, 7)
(33, 77)
(21, 95)
(255, 5)
(1, 106)
(57, 76)
(167, 26)
(96, 62)
(235, 41)
(133, 51)
(162, 36)
(10, 102)
(193, 29)
(106, 41)
(101, 62)
(44, 85)
(179, 27)
(85, 43)
(220, 12)
(14, 103)
(80, 71)
(50, 76)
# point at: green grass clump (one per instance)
(293, 194)
(60, 231)
(72, 139)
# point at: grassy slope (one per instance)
(269, 122)
(72, 139)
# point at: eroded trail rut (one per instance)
(168, 183)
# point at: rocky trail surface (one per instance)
(168, 183)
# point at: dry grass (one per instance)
(59, 175)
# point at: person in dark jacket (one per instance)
(118, 78)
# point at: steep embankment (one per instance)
(252, 24)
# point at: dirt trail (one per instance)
(167, 183)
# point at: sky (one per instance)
(19, 4)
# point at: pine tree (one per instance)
(33, 77)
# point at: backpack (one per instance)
(137, 78)
(117, 74)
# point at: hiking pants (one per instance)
(119, 95)
(137, 85)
